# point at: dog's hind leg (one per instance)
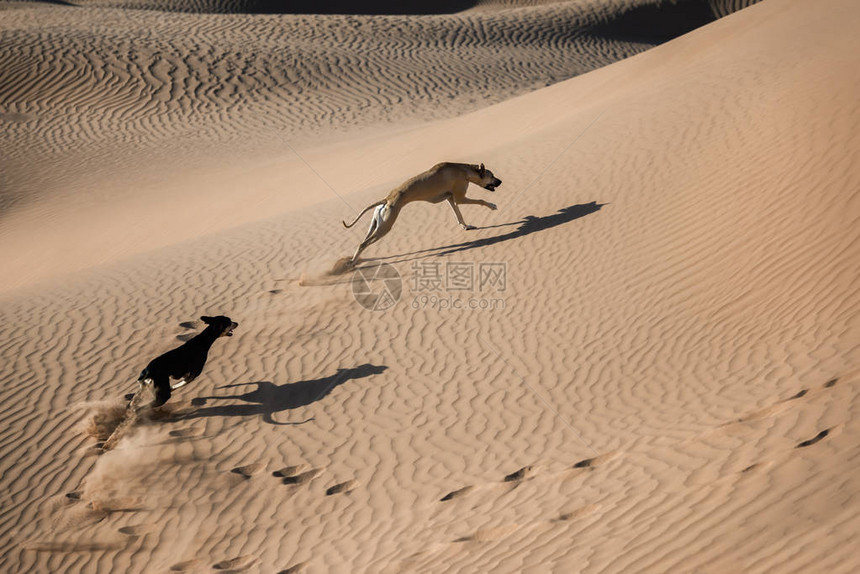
(180, 383)
(383, 219)
(374, 223)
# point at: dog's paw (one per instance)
(492, 206)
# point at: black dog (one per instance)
(186, 362)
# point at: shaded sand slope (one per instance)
(125, 109)
(90, 90)
(671, 386)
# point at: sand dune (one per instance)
(125, 109)
(668, 381)
(74, 91)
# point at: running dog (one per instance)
(185, 362)
(444, 181)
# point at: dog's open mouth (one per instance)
(490, 187)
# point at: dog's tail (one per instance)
(365, 210)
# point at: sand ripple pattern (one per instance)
(672, 386)
(89, 90)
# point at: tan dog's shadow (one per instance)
(530, 224)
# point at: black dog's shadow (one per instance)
(530, 224)
(269, 398)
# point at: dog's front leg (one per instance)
(470, 201)
(459, 215)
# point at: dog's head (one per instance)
(486, 179)
(223, 325)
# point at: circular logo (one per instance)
(377, 288)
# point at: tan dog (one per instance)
(444, 181)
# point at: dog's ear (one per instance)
(207, 320)
(481, 170)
